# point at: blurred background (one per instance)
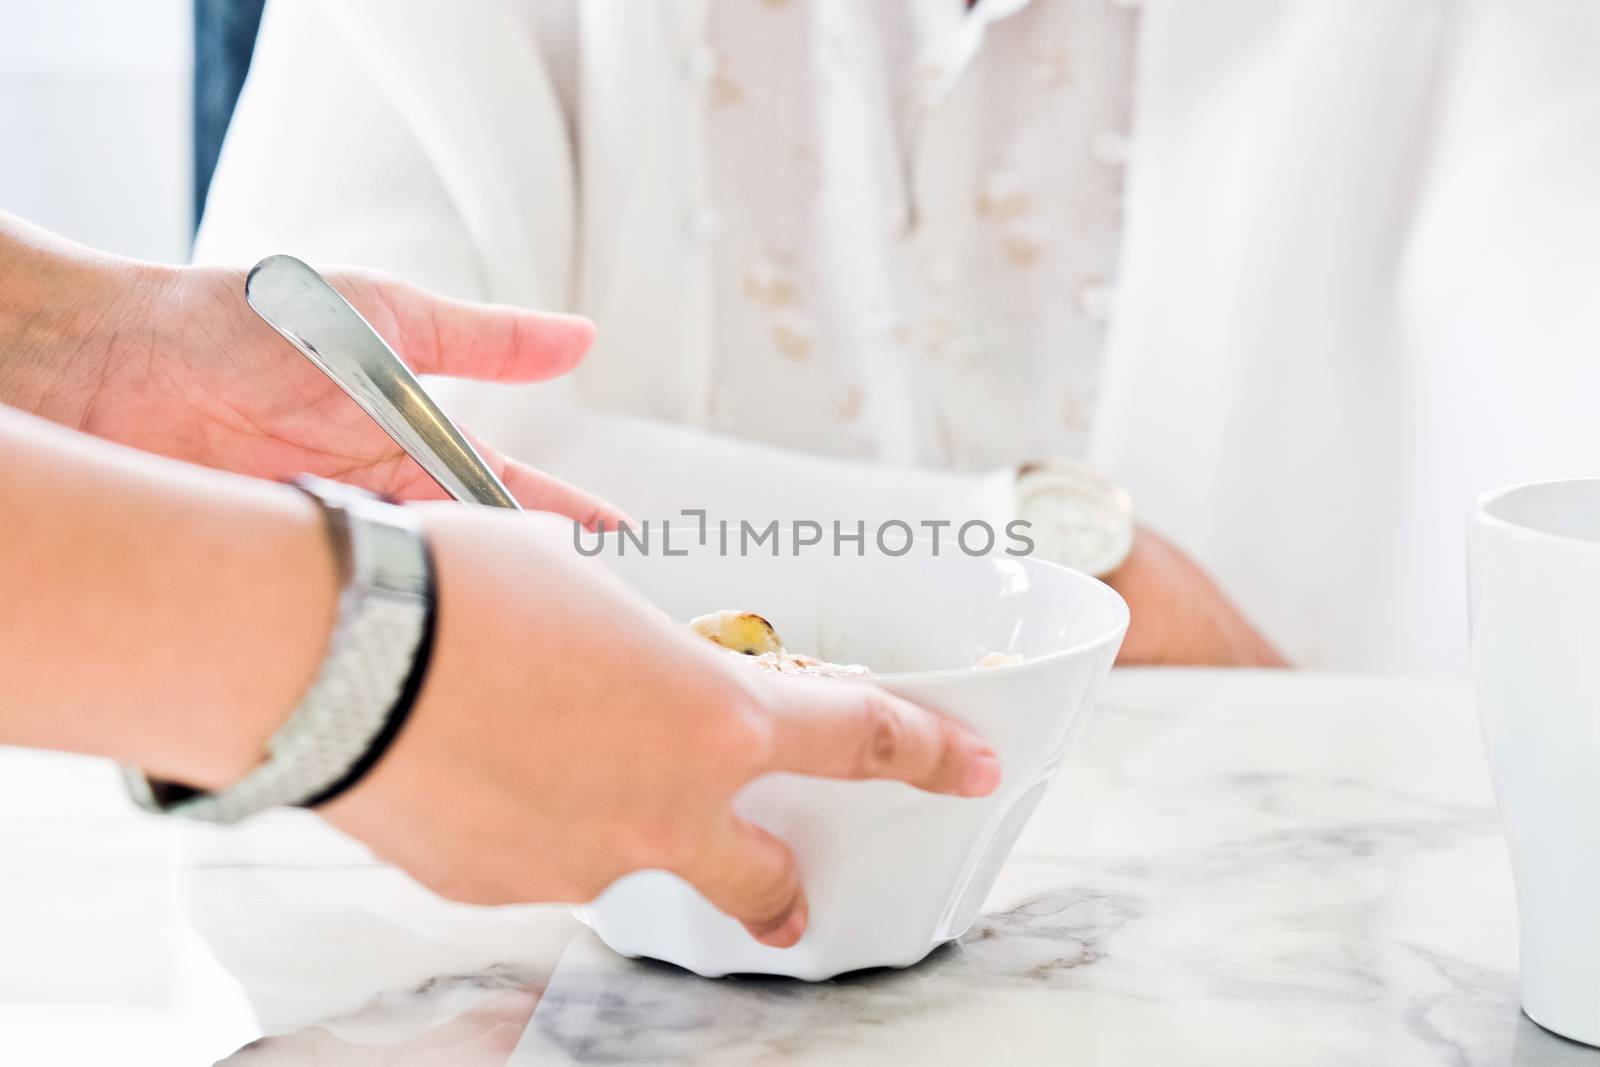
(117, 108)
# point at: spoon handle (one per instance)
(311, 315)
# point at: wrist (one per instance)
(64, 312)
(1076, 516)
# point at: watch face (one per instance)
(1079, 521)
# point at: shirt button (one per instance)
(700, 64)
(1109, 148)
(704, 223)
(1094, 300)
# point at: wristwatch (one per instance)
(376, 659)
(1076, 516)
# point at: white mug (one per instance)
(1534, 563)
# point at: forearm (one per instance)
(155, 613)
(60, 307)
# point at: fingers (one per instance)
(533, 489)
(492, 342)
(855, 730)
(540, 492)
(749, 874)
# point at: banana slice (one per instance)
(742, 631)
(748, 633)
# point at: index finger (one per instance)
(541, 492)
(442, 335)
(838, 729)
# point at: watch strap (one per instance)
(376, 660)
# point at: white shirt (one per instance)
(916, 212)
(913, 211)
(1355, 284)
(691, 175)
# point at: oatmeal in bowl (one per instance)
(749, 634)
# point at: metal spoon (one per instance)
(311, 315)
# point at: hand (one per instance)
(1179, 616)
(173, 361)
(568, 734)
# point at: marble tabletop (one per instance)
(1233, 868)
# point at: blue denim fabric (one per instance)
(224, 38)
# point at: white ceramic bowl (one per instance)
(890, 872)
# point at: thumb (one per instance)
(490, 342)
(856, 730)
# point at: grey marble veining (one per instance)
(1233, 869)
(596, 1009)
